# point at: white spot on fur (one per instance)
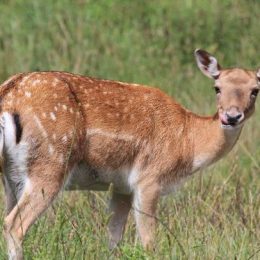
(71, 110)
(120, 136)
(52, 115)
(28, 94)
(64, 107)
(65, 138)
(36, 82)
(54, 137)
(39, 124)
(44, 115)
(51, 149)
(55, 82)
(135, 85)
(24, 80)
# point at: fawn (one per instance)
(61, 130)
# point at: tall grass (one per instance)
(216, 213)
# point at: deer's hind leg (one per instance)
(120, 206)
(10, 195)
(41, 186)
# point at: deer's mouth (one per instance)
(226, 124)
(229, 125)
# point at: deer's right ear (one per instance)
(207, 64)
(258, 75)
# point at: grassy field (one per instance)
(216, 214)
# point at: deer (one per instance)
(62, 131)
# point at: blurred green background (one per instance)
(215, 215)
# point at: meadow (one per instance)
(215, 215)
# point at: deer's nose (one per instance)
(233, 118)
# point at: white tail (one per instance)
(58, 128)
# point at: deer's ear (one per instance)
(258, 75)
(207, 64)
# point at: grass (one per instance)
(216, 214)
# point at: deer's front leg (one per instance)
(120, 206)
(145, 203)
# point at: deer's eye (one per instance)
(217, 90)
(254, 92)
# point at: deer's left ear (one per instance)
(207, 64)
(258, 75)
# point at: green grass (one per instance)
(216, 214)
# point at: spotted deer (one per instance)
(61, 130)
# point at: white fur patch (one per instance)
(15, 155)
(258, 75)
(200, 162)
(9, 130)
(53, 117)
(36, 82)
(28, 94)
(133, 178)
(213, 67)
(39, 124)
(51, 149)
(64, 138)
(24, 80)
(120, 136)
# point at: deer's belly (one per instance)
(83, 177)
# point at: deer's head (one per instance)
(236, 89)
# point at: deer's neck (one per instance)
(211, 141)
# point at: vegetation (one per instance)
(216, 213)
